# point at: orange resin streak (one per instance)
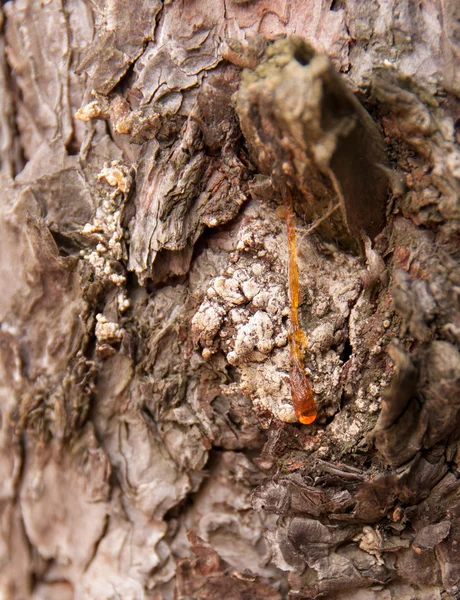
(302, 396)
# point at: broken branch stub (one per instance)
(295, 111)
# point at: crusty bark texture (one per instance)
(148, 444)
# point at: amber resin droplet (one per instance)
(301, 393)
(302, 396)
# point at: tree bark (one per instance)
(149, 446)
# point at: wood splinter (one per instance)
(301, 393)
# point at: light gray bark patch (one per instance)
(178, 62)
(51, 489)
(440, 391)
(415, 304)
(64, 201)
(209, 576)
(121, 34)
(41, 71)
(430, 536)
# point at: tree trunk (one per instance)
(149, 443)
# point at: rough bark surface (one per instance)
(148, 444)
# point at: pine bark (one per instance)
(148, 443)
